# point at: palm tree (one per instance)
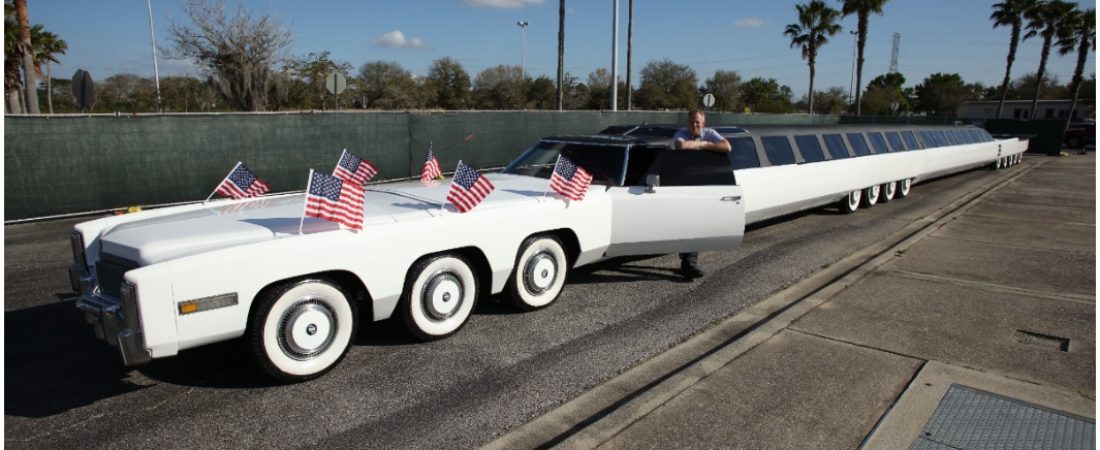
(862, 9)
(1010, 13)
(46, 46)
(561, 52)
(1079, 34)
(12, 59)
(30, 87)
(1046, 20)
(816, 22)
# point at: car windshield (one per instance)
(604, 162)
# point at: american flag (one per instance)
(353, 168)
(468, 188)
(242, 183)
(333, 199)
(431, 170)
(570, 180)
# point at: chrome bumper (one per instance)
(107, 317)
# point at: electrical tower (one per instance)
(894, 53)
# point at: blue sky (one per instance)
(954, 36)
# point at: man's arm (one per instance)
(711, 142)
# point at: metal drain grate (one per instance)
(967, 418)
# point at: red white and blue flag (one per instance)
(336, 200)
(353, 168)
(431, 171)
(569, 179)
(241, 183)
(468, 188)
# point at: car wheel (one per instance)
(539, 273)
(850, 203)
(903, 188)
(439, 297)
(887, 192)
(870, 196)
(301, 330)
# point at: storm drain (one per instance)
(1041, 340)
(967, 418)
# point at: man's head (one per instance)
(696, 121)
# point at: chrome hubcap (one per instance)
(306, 330)
(853, 200)
(442, 296)
(539, 273)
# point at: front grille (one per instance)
(109, 272)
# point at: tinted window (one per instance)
(895, 141)
(929, 141)
(940, 139)
(837, 148)
(778, 149)
(910, 140)
(743, 154)
(952, 138)
(878, 143)
(679, 168)
(859, 145)
(984, 136)
(604, 162)
(810, 148)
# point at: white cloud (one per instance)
(397, 39)
(751, 22)
(503, 3)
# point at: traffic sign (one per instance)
(708, 100)
(336, 83)
(83, 89)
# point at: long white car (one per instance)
(161, 281)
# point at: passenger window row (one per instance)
(779, 151)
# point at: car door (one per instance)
(697, 205)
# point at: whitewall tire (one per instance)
(539, 273)
(903, 188)
(887, 192)
(870, 196)
(301, 330)
(850, 203)
(439, 297)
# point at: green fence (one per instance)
(58, 165)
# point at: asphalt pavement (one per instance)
(987, 303)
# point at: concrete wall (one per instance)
(71, 164)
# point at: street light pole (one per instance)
(153, 38)
(523, 46)
(615, 56)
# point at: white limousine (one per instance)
(165, 280)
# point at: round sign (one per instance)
(708, 100)
(894, 106)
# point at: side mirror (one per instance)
(651, 182)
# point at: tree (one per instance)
(186, 94)
(26, 50)
(816, 23)
(387, 85)
(725, 85)
(236, 51)
(667, 85)
(766, 96)
(1046, 20)
(1023, 88)
(500, 87)
(46, 48)
(448, 84)
(862, 9)
(12, 59)
(831, 101)
(599, 89)
(1010, 13)
(126, 92)
(941, 94)
(542, 93)
(1080, 32)
(884, 90)
(305, 78)
(575, 93)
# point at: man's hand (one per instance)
(720, 147)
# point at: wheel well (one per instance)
(346, 280)
(568, 239)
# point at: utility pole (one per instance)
(629, 50)
(153, 38)
(615, 55)
(561, 54)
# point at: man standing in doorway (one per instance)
(696, 136)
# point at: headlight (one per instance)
(77, 243)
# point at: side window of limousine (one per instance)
(679, 168)
(743, 153)
(778, 149)
(810, 148)
(895, 141)
(878, 143)
(940, 139)
(911, 140)
(837, 148)
(953, 137)
(859, 145)
(929, 140)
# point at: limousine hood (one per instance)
(231, 223)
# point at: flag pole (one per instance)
(547, 191)
(220, 184)
(443, 204)
(338, 161)
(303, 220)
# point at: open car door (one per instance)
(696, 205)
